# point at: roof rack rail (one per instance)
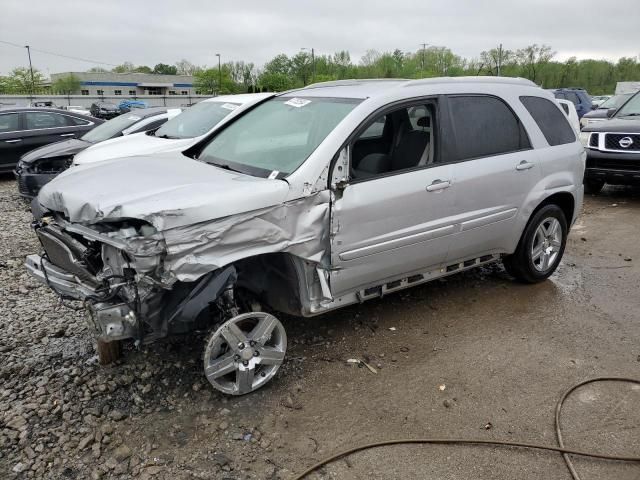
(355, 81)
(468, 79)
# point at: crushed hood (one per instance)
(131, 145)
(167, 190)
(57, 149)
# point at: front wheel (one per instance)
(541, 246)
(244, 353)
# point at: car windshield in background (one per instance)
(615, 101)
(196, 120)
(111, 128)
(278, 135)
(630, 109)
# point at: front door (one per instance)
(393, 217)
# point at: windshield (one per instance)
(615, 101)
(631, 108)
(277, 136)
(111, 129)
(196, 120)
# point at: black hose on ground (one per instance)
(466, 441)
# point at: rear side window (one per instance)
(9, 122)
(77, 121)
(38, 120)
(485, 126)
(550, 120)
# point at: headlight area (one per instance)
(584, 138)
(113, 268)
(32, 176)
(48, 166)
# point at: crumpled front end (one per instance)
(138, 282)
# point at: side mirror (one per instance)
(611, 112)
(340, 173)
(594, 106)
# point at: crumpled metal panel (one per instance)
(299, 227)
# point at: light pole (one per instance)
(219, 74)
(31, 70)
(424, 47)
(313, 63)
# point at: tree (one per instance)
(207, 81)
(20, 81)
(142, 69)
(164, 69)
(126, 67)
(532, 58)
(280, 64)
(66, 85)
(185, 67)
(97, 70)
(274, 82)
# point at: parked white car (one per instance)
(177, 134)
(77, 109)
(570, 111)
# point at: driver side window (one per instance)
(403, 140)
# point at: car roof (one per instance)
(240, 98)
(368, 88)
(147, 112)
(6, 109)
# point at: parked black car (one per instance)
(104, 110)
(613, 148)
(24, 128)
(38, 167)
(605, 109)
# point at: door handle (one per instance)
(524, 165)
(67, 134)
(13, 141)
(438, 185)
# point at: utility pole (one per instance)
(313, 62)
(33, 87)
(219, 74)
(499, 59)
(424, 47)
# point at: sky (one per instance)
(161, 31)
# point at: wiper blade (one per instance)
(165, 136)
(225, 167)
(635, 114)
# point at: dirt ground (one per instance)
(475, 355)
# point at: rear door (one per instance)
(494, 172)
(42, 128)
(10, 140)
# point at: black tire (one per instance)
(593, 187)
(521, 263)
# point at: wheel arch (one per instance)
(564, 200)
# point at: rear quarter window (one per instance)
(485, 126)
(550, 119)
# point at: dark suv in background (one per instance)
(578, 96)
(613, 148)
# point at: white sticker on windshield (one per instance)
(297, 102)
(273, 175)
(133, 117)
(229, 106)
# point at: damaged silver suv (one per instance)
(309, 201)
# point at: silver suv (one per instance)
(309, 201)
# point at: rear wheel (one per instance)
(592, 186)
(541, 246)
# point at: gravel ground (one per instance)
(473, 355)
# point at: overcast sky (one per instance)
(155, 31)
